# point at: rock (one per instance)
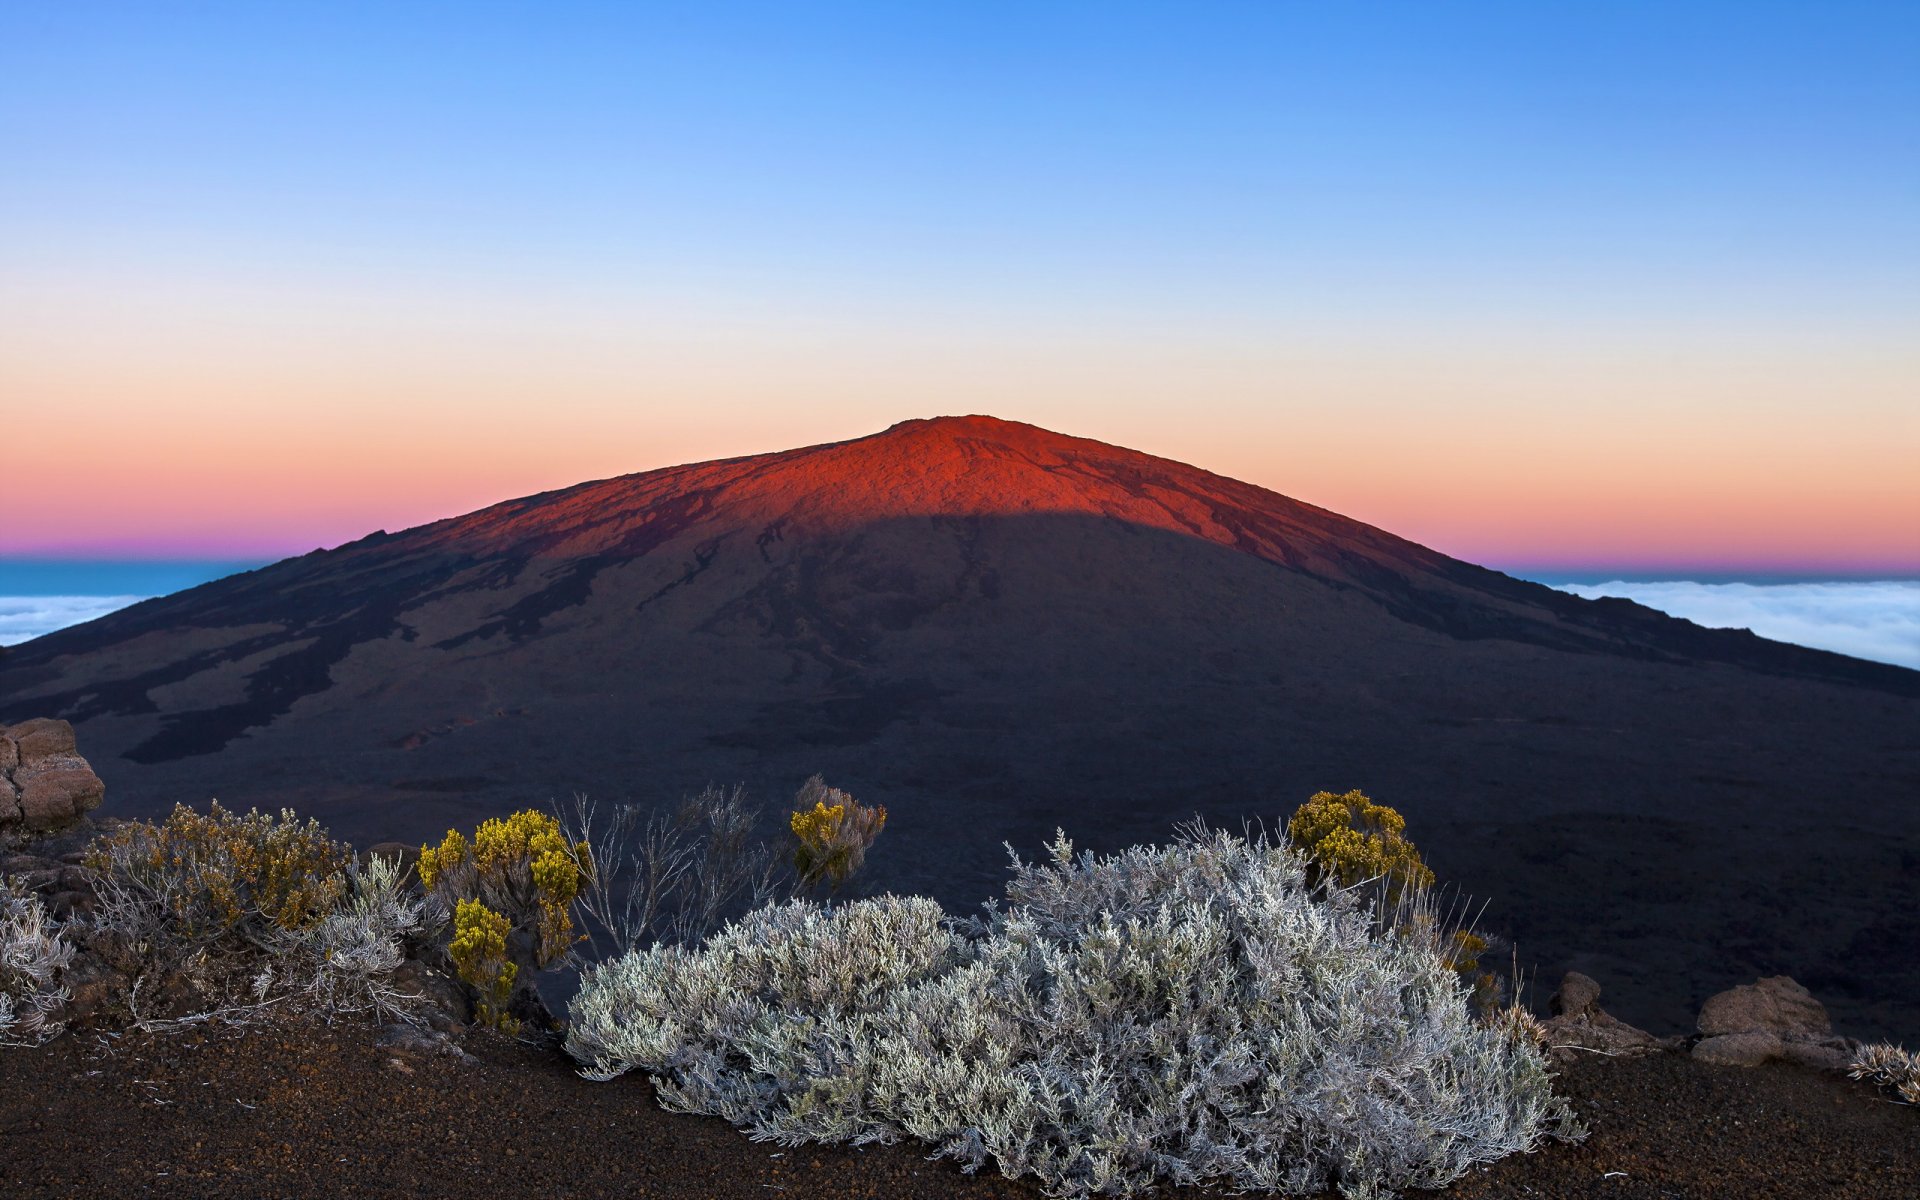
(45, 786)
(1599, 1032)
(38, 878)
(75, 902)
(93, 989)
(403, 854)
(1576, 996)
(1775, 1005)
(1749, 1049)
(409, 1039)
(41, 738)
(56, 792)
(444, 1001)
(1580, 1024)
(1820, 1056)
(66, 889)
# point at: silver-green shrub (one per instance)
(344, 963)
(33, 954)
(1194, 1014)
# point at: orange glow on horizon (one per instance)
(224, 423)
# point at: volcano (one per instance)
(995, 631)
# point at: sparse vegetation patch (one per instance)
(33, 954)
(1196, 1013)
(1892, 1067)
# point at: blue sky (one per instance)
(1478, 153)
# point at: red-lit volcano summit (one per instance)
(994, 630)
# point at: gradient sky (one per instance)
(1624, 286)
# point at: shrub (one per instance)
(201, 878)
(1892, 1067)
(1191, 1014)
(479, 951)
(231, 912)
(833, 832)
(344, 963)
(33, 954)
(522, 869)
(1349, 840)
(774, 971)
(670, 875)
(1517, 1022)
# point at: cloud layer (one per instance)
(1880, 620)
(24, 617)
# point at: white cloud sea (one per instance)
(1876, 620)
(23, 617)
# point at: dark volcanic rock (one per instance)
(994, 630)
(1579, 1023)
(1577, 996)
(1777, 1005)
(1749, 1049)
(1773, 1018)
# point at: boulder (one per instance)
(1830, 1055)
(42, 737)
(1579, 1023)
(403, 855)
(56, 792)
(1775, 1005)
(1772, 1018)
(1749, 1049)
(45, 786)
(1577, 996)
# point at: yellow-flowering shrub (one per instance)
(523, 868)
(219, 872)
(1464, 949)
(479, 951)
(1348, 839)
(833, 835)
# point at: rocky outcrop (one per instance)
(1775, 1004)
(1773, 1018)
(45, 786)
(1578, 1023)
(1750, 1049)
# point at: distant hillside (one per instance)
(994, 630)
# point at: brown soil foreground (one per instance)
(303, 1112)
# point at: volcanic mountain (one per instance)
(995, 630)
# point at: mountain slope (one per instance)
(994, 630)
